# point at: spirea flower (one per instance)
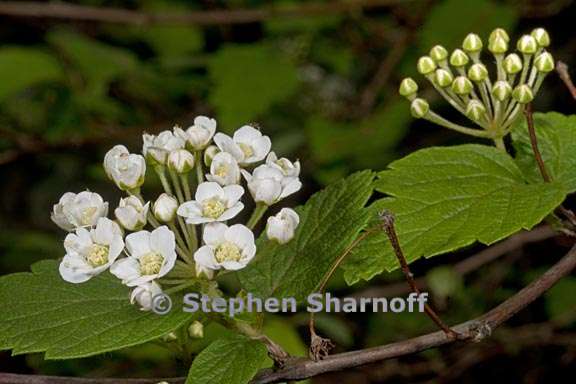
(213, 203)
(224, 169)
(282, 226)
(199, 135)
(157, 148)
(125, 169)
(248, 145)
(144, 294)
(91, 252)
(79, 210)
(268, 184)
(131, 213)
(229, 248)
(165, 207)
(151, 255)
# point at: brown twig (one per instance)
(64, 11)
(388, 226)
(562, 70)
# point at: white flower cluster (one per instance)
(189, 220)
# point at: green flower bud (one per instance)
(475, 110)
(196, 330)
(499, 33)
(419, 108)
(541, 36)
(498, 46)
(180, 161)
(501, 90)
(459, 58)
(478, 72)
(472, 43)
(408, 87)
(462, 86)
(443, 78)
(544, 62)
(523, 94)
(438, 53)
(426, 65)
(512, 64)
(527, 45)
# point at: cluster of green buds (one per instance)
(464, 81)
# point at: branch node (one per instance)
(480, 330)
(319, 347)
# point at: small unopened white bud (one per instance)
(499, 33)
(522, 94)
(472, 43)
(527, 45)
(419, 108)
(408, 87)
(209, 154)
(462, 86)
(478, 72)
(181, 161)
(165, 207)
(443, 78)
(426, 65)
(541, 36)
(438, 53)
(512, 64)
(459, 58)
(501, 90)
(196, 330)
(498, 46)
(475, 110)
(544, 62)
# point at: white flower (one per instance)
(248, 145)
(181, 161)
(213, 203)
(151, 255)
(282, 226)
(202, 271)
(288, 168)
(224, 169)
(268, 185)
(230, 248)
(79, 210)
(165, 208)
(144, 294)
(89, 253)
(157, 148)
(131, 213)
(125, 169)
(199, 135)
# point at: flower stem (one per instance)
(163, 180)
(186, 186)
(181, 244)
(257, 215)
(199, 171)
(433, 117)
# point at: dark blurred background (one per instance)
(321, 80)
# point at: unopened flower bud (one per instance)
(544, 62)
(498, 46)
(478, 72)
(475, 110)
(438, 53)
(165, 207)
(209, 154)
(541, 36)
(472, 43)
(426, 65)
(499, 33)
(527, 45)
(408, 87)
(131, 213)
(501, 90)
(512, 64)
(419, 108)
(523, 94)
(196, 330)
(462, 86)
(443, 78)
(459, 58)
(181, 161)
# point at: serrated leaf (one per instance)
(448, 198)
(329, 223)
(249, 79)
(231, 360)
(43, 313)
(556, 134)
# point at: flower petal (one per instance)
(204, 256)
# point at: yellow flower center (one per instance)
(221, 170)
(97, 255)
(227, 252)
(213, 208)
(87, 214)
(247, 149)
(151, 263)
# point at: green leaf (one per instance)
(249, 79)
(448, 198)
(478, 16)
(556, 135)
(43, 313)
(329, 223)
(21, 68)
(232, 360)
